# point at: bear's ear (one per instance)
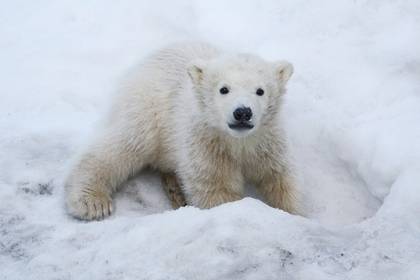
(284, 71)
(195, 71)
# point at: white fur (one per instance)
(171, 116)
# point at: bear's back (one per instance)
(169, 65)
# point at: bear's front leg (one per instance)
(210, 195)
(279, 191)
(173, 190)
(211, 184)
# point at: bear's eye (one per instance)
(260, 92)
(224, 90)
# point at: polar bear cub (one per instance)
(206, 119)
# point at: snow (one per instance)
(352, 117)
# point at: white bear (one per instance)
(206, 119)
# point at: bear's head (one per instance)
(239, 94)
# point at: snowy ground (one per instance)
(352, 116)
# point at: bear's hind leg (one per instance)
(106, 165)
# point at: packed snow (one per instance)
(352, 116)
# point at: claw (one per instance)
(91, 205)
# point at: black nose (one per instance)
(242, 114)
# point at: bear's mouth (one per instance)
(241, 126)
